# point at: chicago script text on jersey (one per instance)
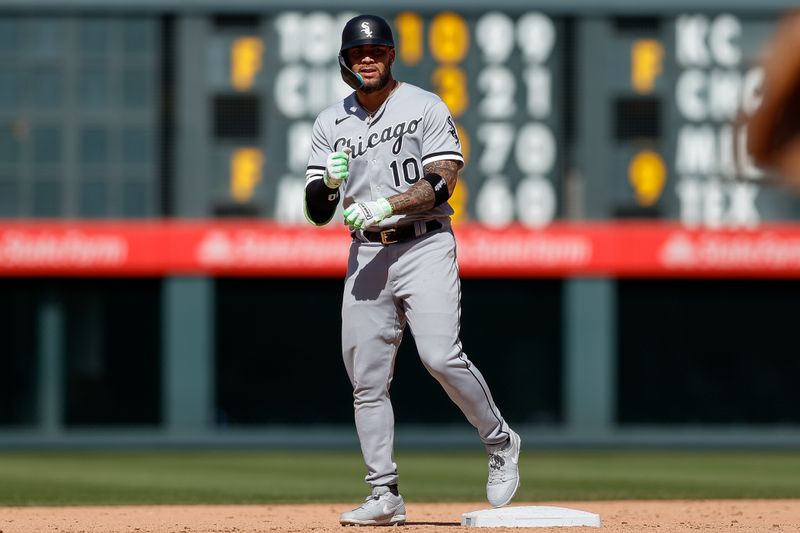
(396, 132)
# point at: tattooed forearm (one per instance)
(420, 196)
(448, 169)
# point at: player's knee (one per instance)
(436, 367)
(368, 394)
(438, 360)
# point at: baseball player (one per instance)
(391, 153)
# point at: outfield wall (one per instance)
(629, 279)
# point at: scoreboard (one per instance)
(715, 80)
(562, 116)
(672, 88)
(499, 74)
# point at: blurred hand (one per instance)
(773, 131)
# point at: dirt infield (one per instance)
(621, 516)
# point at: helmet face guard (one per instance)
(361, 30)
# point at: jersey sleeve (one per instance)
(439, 136)
(319, 201)
(320, 149)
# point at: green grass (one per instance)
(270, 477)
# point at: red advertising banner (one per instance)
(248, 248)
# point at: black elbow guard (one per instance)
(320, 202)
(440, 190)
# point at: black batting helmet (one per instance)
(361, 30)
(366, 29)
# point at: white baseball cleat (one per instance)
(381, 508)
(503, 471)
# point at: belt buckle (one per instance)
(385, 236)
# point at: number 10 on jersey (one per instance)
(409, 169)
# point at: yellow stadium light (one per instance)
(463, 138)
(409, 29)
(458, 201)
(246, 54)
(450, 83)
(647, 173)
(246, 171)
(646, 59)
(449, 38)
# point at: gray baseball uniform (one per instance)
(414, 282)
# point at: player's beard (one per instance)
(379, 84)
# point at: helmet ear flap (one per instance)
(351, 78)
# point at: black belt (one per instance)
(400, 234)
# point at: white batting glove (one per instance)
(336, 168)
(365, 214)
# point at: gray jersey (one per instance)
(412, 282)
(412, 128)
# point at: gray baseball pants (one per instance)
(414, 282)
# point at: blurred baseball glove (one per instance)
(773, 131)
